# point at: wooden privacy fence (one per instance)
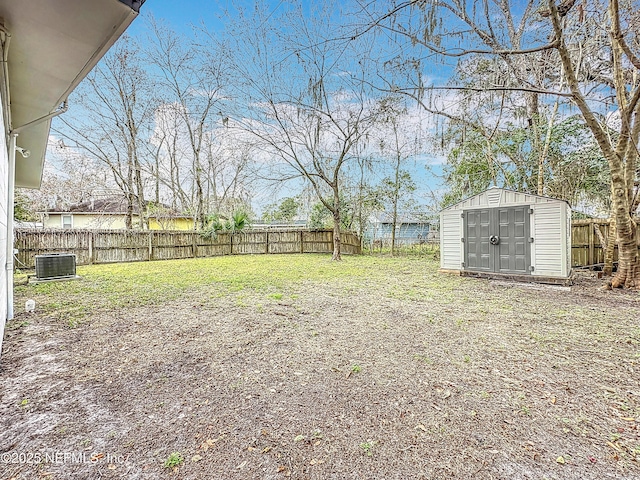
(112, 246)
(586, 247)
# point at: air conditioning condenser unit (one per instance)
(55, 266)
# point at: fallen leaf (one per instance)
(614, 446)
(592, 459)
(251, 449)
(299, 438)
(111, 466)
(281, 468)
(242, 465)
(266, 449)
(561, 460)
(313, 461)
(196, 458)
(446, 394)
(421, 427)
(553, 400)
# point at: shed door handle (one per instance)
(494, 240)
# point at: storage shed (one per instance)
(507, 233)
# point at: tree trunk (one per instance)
(142, 208)
(603, 241)
(620, 207)
(128, 220)
(626, 232)
(611, 245)
(394, 220)
(336, 225)
(545, 148)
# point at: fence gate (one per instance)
(497, 240)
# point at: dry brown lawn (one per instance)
(277, 367)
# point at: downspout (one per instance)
(12, 155)
(5, 71)
(10, 213)
(62, 109)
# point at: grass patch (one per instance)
(114, 286)
(175, 460)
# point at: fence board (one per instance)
(586, 248)
(112, 246)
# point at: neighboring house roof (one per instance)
(402, 217)
(171, 216)
(278, 223)
(116, 205)
(54, 45)
(113, 205)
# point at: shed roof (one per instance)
(54, 45)
(496, 196)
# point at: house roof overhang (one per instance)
(54, 45)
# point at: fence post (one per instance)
(591, 243)
(90, 248)
(195, 244)
(150, 245)
(301, 241)
(230, 243)
(266, 247)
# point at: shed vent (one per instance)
(61, 265)
(493, 197)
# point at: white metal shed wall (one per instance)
(550, 227)
(451, 247)
(550, 249)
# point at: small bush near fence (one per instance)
(113, 246)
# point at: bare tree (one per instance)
(398, 142)
(307, 111)
(111, 121)
(192, 84)
(593, 50)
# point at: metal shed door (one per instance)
(477, 230)
(497, 240)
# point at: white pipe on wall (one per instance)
(10, 213)
(9, 251)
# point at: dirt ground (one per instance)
(421, 376)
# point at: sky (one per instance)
(187, 15)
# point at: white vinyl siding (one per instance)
(548, 238)
(450, 240)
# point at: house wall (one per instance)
(550, 227)
(170, 223)
(406, 233)
(4, 181)
(91, 222)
